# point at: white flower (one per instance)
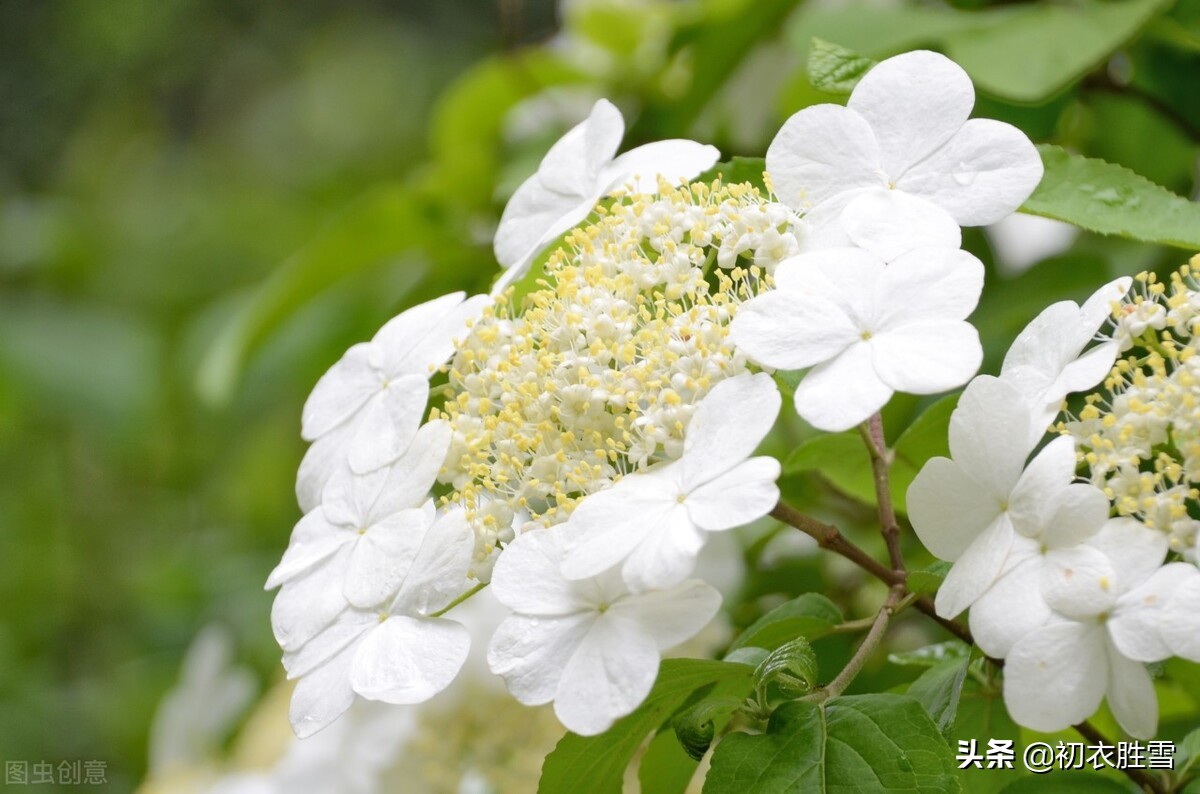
(397, 655)
(366, 408)
(1180, 617)
(1046, 361)
(654, 522)
(903, 141)
(578, 171)
(1021, 241)
(591, 646)
(1101, 633)
(353, 547)
(971, 508)
(867, 329)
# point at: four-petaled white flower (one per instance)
(653, 523)
(365, 410)
(1102, 630)
(355, 545)
(578, 171)
(903, 154)
(592, 646)
(1047, 361)
(867, 329)
(400, 654)
(971, 507)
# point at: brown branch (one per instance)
(881, 462)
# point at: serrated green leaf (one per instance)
(834, 69)
(1110, 199)
(938, 689)
(1065, 782)
(596, 764)
(811, 616)
(841, 458)
(1037, 31)
(927, 581)
(860, 743)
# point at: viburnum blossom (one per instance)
(365, 410)
(591, 646)
(598, 374)
(867, 328)
(1139, 436)
(653, 523)
(971, 507)
(400, 653)
(902, 147)
(578, 171)
(1095, 643)
(1047, 361)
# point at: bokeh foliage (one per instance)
(203, 203)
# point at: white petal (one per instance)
(994, 460)
(422, 348)
(743, 494)
(1136, 551)
(843, 392)
(532, 218)
(312, 540)
(889, 223)
(321, 696)
(925, 285)
(322, 459)
(573, 163)
(666, 554)
(388, 423)
(310, 602)
(347, 628)
(1137, 624)
(528, 575)
(1181, 620)
(1079, 582)
(820, 153)
(610, 673)
(530, 653)
(914, 103)
(1131, 696)
(844, 277)
(611, 523)
(926, 358)
(340, 392)
(1056, 676)
(382, 556)
(409, 479)
(1012, 607)
(789, 331)
(407, 660)
(1099, 305)
(729, 423)
(670, 616)
(948, 509)
(674, 160)
(983, 173)
(1045, 504)
(438, 573)
(976, 569)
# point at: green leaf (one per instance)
(666, 766)
(595, 764)
(695, 726)
(981, 716)
(1037, 31)
(860, 743)
(927, 581)
(834, 69)
(932, 655)
(736, 171)
(1064, 782)
(841, 458)
(792, 668)
(1109, 199)
(811, 616)
(938, 689)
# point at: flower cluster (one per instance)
(1140, 436)
(1074, 600)
(596, 432)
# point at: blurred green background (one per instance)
(203, 203)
